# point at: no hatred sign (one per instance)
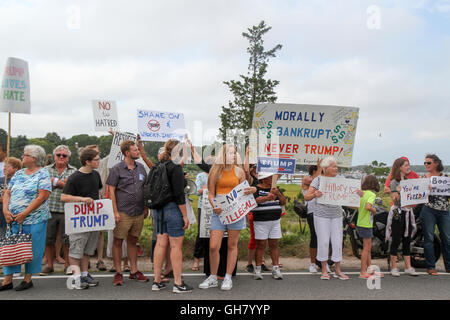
(105, 115)
(15, 93)
(306, 132)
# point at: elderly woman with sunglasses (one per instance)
(25, 203)
(435, 212)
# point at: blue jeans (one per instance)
(169, 220)
(430, 218)
(38, 234)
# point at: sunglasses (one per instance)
(427, 163)
(59, 155)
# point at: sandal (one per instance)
(341, 276)
(195, 268)
(432, 272)
(325, 277)
(367, 276)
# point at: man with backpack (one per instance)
(126, 188)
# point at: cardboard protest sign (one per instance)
(81, 217)
(235, 205)
(15, 93)
(190, 211)
(160, 125)
(105, 115)
(205, 217)
(115, 155)
(306, 132)
(275, 165)
(339, 191)
(414, 191)
(440, 186)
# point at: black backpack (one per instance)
(157, 189)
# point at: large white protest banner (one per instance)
(81, 217)
(306, 132)
(160, 125)
(440, 186)
(414, 191)
(15, 93)
(235, 205)
(115, 155)
(339, 191)
(105, 115)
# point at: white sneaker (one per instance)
(412, 272)
(313, 268)
(276, 273)
(395, 272)
(210, 282)
(257, 274)
(227, 284)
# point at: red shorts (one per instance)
(252, 241)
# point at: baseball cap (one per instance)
(263, 175)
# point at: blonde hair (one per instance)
(166, 155)
(220, 162)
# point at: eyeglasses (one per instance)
(427, 163)
(59, 155)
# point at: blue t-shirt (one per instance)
(24, 189)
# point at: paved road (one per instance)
(295, 286)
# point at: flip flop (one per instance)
(341, 276)
(368, 276)
(325, 277)
(194, 268)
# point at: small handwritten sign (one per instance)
(414, 191)
(81, 217)
(440, 186)
(339, 191)
(115, 154)
(235, 205)
(105, 115)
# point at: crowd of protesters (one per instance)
(34, 198)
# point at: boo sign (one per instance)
(160, 125)
(306, 132)
(81, 217)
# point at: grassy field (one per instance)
(295, 241)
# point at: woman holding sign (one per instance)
(435, 212)
(401, 222)
(25, 203)
(327, 222)
(224, 175)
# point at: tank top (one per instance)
(227, 182)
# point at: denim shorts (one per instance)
(169, 220)
(217, 225)
(365, 232)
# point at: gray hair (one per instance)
(64, 147)
(36, 152)
(327, 162)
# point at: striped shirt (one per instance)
(266, 211)
(324, 210)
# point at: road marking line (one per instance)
(293, 273)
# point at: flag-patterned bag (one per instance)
(15, 249)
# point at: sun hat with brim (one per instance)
(263, 175)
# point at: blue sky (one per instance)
(175, 55)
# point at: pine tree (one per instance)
(252, 88)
